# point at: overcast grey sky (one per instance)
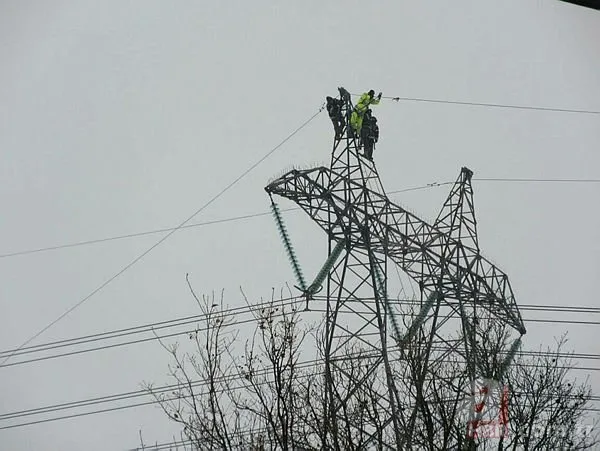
(124, 116)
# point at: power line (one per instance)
(135, 234)
(164, 446)
(183, 442)
(153, 328)
(533, 180)
(267, 213)
(151, 402)
(160, 390)
(228, 377)
(314, 363)
(489, 105)
(146, 327)
(242, 310)
(236, 323)
(248, 309)
(187, 226)
(163, 239)
(125, 396)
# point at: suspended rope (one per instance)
(288, 246)
(324, 272)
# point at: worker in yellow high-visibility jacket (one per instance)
(365, 100)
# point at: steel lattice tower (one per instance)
(348, 201)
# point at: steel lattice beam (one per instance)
(434, 255)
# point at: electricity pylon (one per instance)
(348, 201)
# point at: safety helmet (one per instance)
(372, 93)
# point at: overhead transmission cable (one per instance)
(488, 105)
(231, 377)
(534, 180)
(186, 226)
(152, 329)
(308, 364)
(135, 234)
(169, 446)
(171, 232)
(267, 213)
(245, 309)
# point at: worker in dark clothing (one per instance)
(344, 95)
(334, 108)
(370, 136)
(364, 130)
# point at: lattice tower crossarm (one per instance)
(435, 259)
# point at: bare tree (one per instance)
(203, 391)
(264, 396)
(270, 371)
(226, 401)
(538, 404)
(548, 408)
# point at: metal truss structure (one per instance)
(458, 285)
